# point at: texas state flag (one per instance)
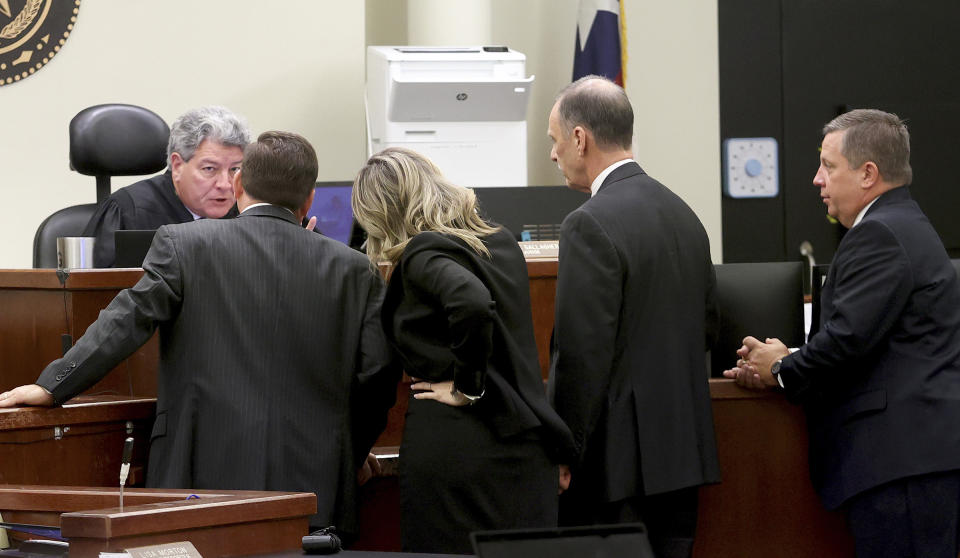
(598, 41)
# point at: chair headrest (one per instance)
(118, 140)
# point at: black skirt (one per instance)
(456, 476)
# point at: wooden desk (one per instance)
(765, 504)
(218, 523)
(38, 309)
(78, 444)
(543, 290)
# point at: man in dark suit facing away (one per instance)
(634, 315)
(274, 371)
(880, 380)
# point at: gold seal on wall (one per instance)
(31, 33)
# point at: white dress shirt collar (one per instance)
(265, 203)
(864, 211)
(598, 181)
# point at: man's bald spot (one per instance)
(600, 106)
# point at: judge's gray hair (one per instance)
(211, 122)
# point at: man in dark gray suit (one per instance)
(634, 312)
(270, 343)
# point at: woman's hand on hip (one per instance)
(438, 391)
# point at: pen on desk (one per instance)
(125, 466)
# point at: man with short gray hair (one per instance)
(203, 153)
(880, 380)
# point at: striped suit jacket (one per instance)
(270, 339)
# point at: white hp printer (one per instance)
(463, 107)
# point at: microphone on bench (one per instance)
(125, 466)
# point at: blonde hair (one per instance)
(399, 193)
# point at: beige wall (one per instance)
(442, 22)
(673, 81)
(294, 65)
(386, 22)
(549, 51)
(299, 65)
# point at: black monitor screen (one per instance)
(532, 212)
(131, 247)
(331, 207)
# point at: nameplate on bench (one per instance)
(540, 249)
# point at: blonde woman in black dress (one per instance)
(480, 442)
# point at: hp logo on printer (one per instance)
(461, 96)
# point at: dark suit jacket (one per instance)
(144, 205)
(881, 378)
(634, 310)
(454, 314)
(267, 332)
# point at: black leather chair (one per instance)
(69, 221)
(105, 140)
(762, 299)
(818, 277)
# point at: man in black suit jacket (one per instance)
(274, 370)
(880, 380)
(634, 312)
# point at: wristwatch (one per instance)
(775, 371)
(471, 398)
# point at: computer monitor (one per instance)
(763, 299)
(131, 246)
(531, 212)
(331, 206)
